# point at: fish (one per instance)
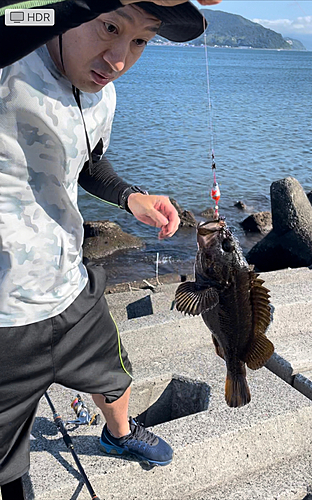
(233, 303)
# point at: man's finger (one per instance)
(208, 2)
(159, 219)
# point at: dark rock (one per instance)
(290, 206)
(208, 213)
(241, 205)
(309, 195)
(186, 217)
(289, 244)
(269, 254)
(104, 238)
(260, 222)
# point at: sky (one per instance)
(291, 18)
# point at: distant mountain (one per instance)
(235, 31)
(231, 30)
(296, 44)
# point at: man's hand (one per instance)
(208, 2)
(171, 3)
(156, 211)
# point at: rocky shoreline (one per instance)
(286, 230)
(154, 284)
(102, 238)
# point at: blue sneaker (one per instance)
(141, 443)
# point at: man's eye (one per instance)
(110, 28)
(140, 42)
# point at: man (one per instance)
(57, 106)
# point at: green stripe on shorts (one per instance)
(119, 347)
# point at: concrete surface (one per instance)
(261, 451)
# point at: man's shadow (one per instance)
(181, 397)
(83, 445)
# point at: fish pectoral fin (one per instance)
(193, 300)
(218, 348)
(260, 352)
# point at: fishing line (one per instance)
(209, 97)
(215, 191)
(298, 4)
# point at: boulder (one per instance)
(102, 238)
(309, 195)
(289, 243)
(208, 213)
(241, 205)
(186, 217)
(260, 222)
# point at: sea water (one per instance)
(259, 125)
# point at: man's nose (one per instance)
(116, 55)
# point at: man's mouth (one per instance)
(100, 79)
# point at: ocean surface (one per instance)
(260, 127)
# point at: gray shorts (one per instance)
(80, 349)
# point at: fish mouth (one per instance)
(208, 231)
(215, 229)
(211, 226)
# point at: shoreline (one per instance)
(170, 44)
(149, 283)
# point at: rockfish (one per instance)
(233, 303)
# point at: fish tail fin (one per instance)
(236, 390)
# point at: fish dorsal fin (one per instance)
(193, 300)
(261, 348)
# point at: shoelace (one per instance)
(141, 434)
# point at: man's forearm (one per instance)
(18, 41)
(103, 182)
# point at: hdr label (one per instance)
(29, 17)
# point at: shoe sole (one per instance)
(117, 451)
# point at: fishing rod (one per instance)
(215, 191)
(69, 444)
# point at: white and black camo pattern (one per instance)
(42, 150)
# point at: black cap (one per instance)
(180, 23)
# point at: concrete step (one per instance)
(287, 287)
(296, 276)
(291, 298)
(290, 330)
(292, 360)
(141, 303)
(214, 444)
(284, 481)
(178, 390)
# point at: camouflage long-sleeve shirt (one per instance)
(42, 150)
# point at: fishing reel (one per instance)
(83, 415)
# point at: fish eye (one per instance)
(228, 245)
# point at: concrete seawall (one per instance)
(261, 451)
